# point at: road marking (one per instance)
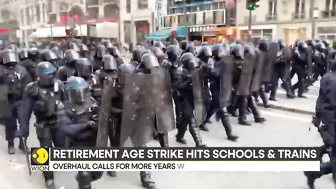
(292, 117)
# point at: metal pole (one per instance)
(250, 26)
(313, 20)
(185, 20)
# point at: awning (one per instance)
(58, 32)
(164, 33)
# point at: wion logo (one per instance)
(39, 159)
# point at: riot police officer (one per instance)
(14, 79)
(69, 69)
(116, 54)
(300, 65)
(109, 69)
(136, 55)
(79, 124)
(84, 69)
(100, 52)
(84, 51)
(45, 98)
(324, 117)
(220, 77)
(59, 54)
(204, 55)
(50, 56)
(32, 61)
(23, 55)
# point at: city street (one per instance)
(281, 129)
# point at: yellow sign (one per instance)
(40, 156)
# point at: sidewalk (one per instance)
(297, 105)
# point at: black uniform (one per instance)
(325, 120)
(220, 76)
(300, 61)
(84, 69)
(69, 69)
(204, 56)
(182, 85)
(59, 54)
(45, 98)
(79, 124)
(281, 70)
(320, 60)
(13, 79)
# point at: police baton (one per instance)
(24, 141)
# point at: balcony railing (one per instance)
(299, 16)
(328, 14)
(271, 17)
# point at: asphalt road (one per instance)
(281, 129)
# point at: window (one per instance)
(333, 6)
(303, 6)
(32, 14)
(142, 4)
(128, 6)
(272, 7)
(327, 5)
(297, 6)
(219, 5)
(38, 13)
(50, 6)
(27, 16)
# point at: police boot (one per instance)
(301, 90)
(49, 180)
(255, 112)
(193, 129)
(232, 110)
(181, 129)
(227, 126)
(242, 113)
(310, 179)
(112, 173)
(22, 147)
(263, 98)
(11, 148)
(84, 180)
(163, 139)
(146, 180)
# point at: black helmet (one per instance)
(23, 54)
(190, 48)
(218, 51)
(78, 90)
(310, 43)
(183, 45)
(160, 45)
(46, 72)
(9, 57)
(34, 54)
(100, 51)
(84, 68)
(189, 61)
(281, 43)
(126, 68)
(48, 55)
(149, 61)
(302, 46)
(71, 56)
(172, 53)
(109, 63)
(204, 53)
(249, 50)
(263, 45)
(137, 53)
(114, 51)
(237, 51)
(296, 42)
(320, 46)
(57, 51)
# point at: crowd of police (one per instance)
(81, 100)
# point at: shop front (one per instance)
(258, 32)
(218, 35)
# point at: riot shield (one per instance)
(164, 109)
(226, 81)
(269, 64)
(287, 53)
(104, 115)
(245, 77)
(309, 62)
(199, 105)
(138, 115)
(5, 109)
(257, 71)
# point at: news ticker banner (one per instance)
(229, 159)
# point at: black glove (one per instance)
(316, 121)
(92, 125)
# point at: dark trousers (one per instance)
(11, 122)
(301, 73)
(280, 72)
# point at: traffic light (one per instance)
(252, 4)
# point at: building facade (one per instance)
(289, 19)
(126, 20)
(198, 15)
